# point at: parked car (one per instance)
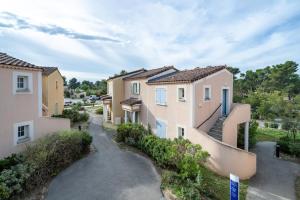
(68, 103)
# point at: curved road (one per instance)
(108, 174)
(275, 178)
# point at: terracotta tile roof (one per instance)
(131, 101)
(14, 62)
(187, 76)
(149, 73)
(49, 70)
(128, 73)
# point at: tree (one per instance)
(73, 83)
(65, 80)
(235, 71)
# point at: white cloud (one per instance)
(157, 33)
(81, 75)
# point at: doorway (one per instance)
(225, 102)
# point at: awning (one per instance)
(131, 104)
(106, 99)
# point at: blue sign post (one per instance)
(234, 187)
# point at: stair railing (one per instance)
(209, 116)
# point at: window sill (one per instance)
(25, 91)
(161, 104)
(23, 140)
(181, 100)
(207, 100)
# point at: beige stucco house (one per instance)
(53, 91)
(195, 104)
(21, 107)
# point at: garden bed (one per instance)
(28, 172)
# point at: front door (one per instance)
(224, 102)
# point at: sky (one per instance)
(94, 39)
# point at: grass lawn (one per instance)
(221, 186)
(270, 134)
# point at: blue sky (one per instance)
(93, 39)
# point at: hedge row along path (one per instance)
(274, 178)
(110, 173)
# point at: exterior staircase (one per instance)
(216, 130)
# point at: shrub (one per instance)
(9, 161)
(74, 115)
(289, 146)
(99, 111)
(274, 125)
(42, 160)
(266, 124)
(252, 135)
(130, 133)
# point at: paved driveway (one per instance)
(274, 178)
(108, 174)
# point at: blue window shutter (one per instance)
(163, 96)
(158, 128)
(163, 130)
(158, 95)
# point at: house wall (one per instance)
(117, 97)
(203, 109)
(53, 95)
(225, 159)
(240, 113)
(173, 114)
(16, 108)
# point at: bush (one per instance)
(252, 135)
(130, 133)
(74, 115)
(274, 125)
(9, 161)
(266, 124)
(99, 111)
(42, 160)
(289, 146)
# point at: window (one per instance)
(180, 131)
(160, 96)
(22, 83)
(56, 83)
(23, 132)
(135, 88)
(207, 93)
(181, 94)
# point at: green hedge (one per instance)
(43, 160)
(179, 155)
(99, 111)
(74, 115)
(289, 146)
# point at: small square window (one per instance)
(181, 94)
(23, 132)
(22, 83)
(207, 94)
(180, 132)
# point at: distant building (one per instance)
(53, 90)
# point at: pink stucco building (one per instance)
(21, 108)
(195, 104)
